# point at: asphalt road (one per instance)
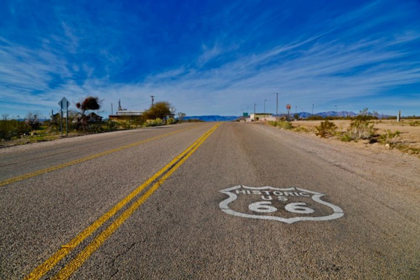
(147, 204)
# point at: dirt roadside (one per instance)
(408, 140)
(374, 162)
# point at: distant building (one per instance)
(261, 117)
(92, 117)
(124, 114)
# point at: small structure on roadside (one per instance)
(124, 114)
(92, 117)
(261, 117)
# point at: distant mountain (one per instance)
(212, 118)
(304, 115)
(336, 114)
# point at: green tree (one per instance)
(160, 110)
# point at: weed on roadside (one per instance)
(300, 129)
(346, 137)
(406, 149)
(326, 128)
(281, 124)
(284, 125)
(389, 137)
(414, 123)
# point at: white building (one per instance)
(261, 117)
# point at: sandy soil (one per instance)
(410, 135)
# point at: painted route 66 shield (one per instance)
(287, 205)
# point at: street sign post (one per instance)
(288, 111)
(64, 104)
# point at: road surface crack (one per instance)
(117, 257)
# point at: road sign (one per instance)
(64, 104)
(288, 107)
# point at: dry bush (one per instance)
(326, 128)
(389, 137)
(301, 129)
(361, 129)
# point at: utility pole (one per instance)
(112, 109)
(264, 106)
(255, 105)
(277, 104)
(312, 109)
(67, 122)
(153, 99)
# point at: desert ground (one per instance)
(409, 135)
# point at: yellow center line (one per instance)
(72, 266)
(73, 162)
(42, 269)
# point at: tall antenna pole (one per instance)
(264, 106)
(277, 104)
(312, 109)
(153, 99)
(255, 104)
(112, 109)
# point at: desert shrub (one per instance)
(272, 123)
(284, 125)
(346, 137)
(360, 128)
(10, 129)
(301, 129)
(93, 127)
(170, 121)
(389, 137)
(414, 123)
(315, 118)
(406, 148)
(110, 125)
(326, 128)
(137, 121)
(155, 122)
(32, 119)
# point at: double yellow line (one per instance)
(155, 181)
(77, 161)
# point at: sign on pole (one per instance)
(64, 104)
(288, 111)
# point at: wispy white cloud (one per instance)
(319, 68)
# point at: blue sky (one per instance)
(211, 57)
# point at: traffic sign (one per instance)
(64, 104)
